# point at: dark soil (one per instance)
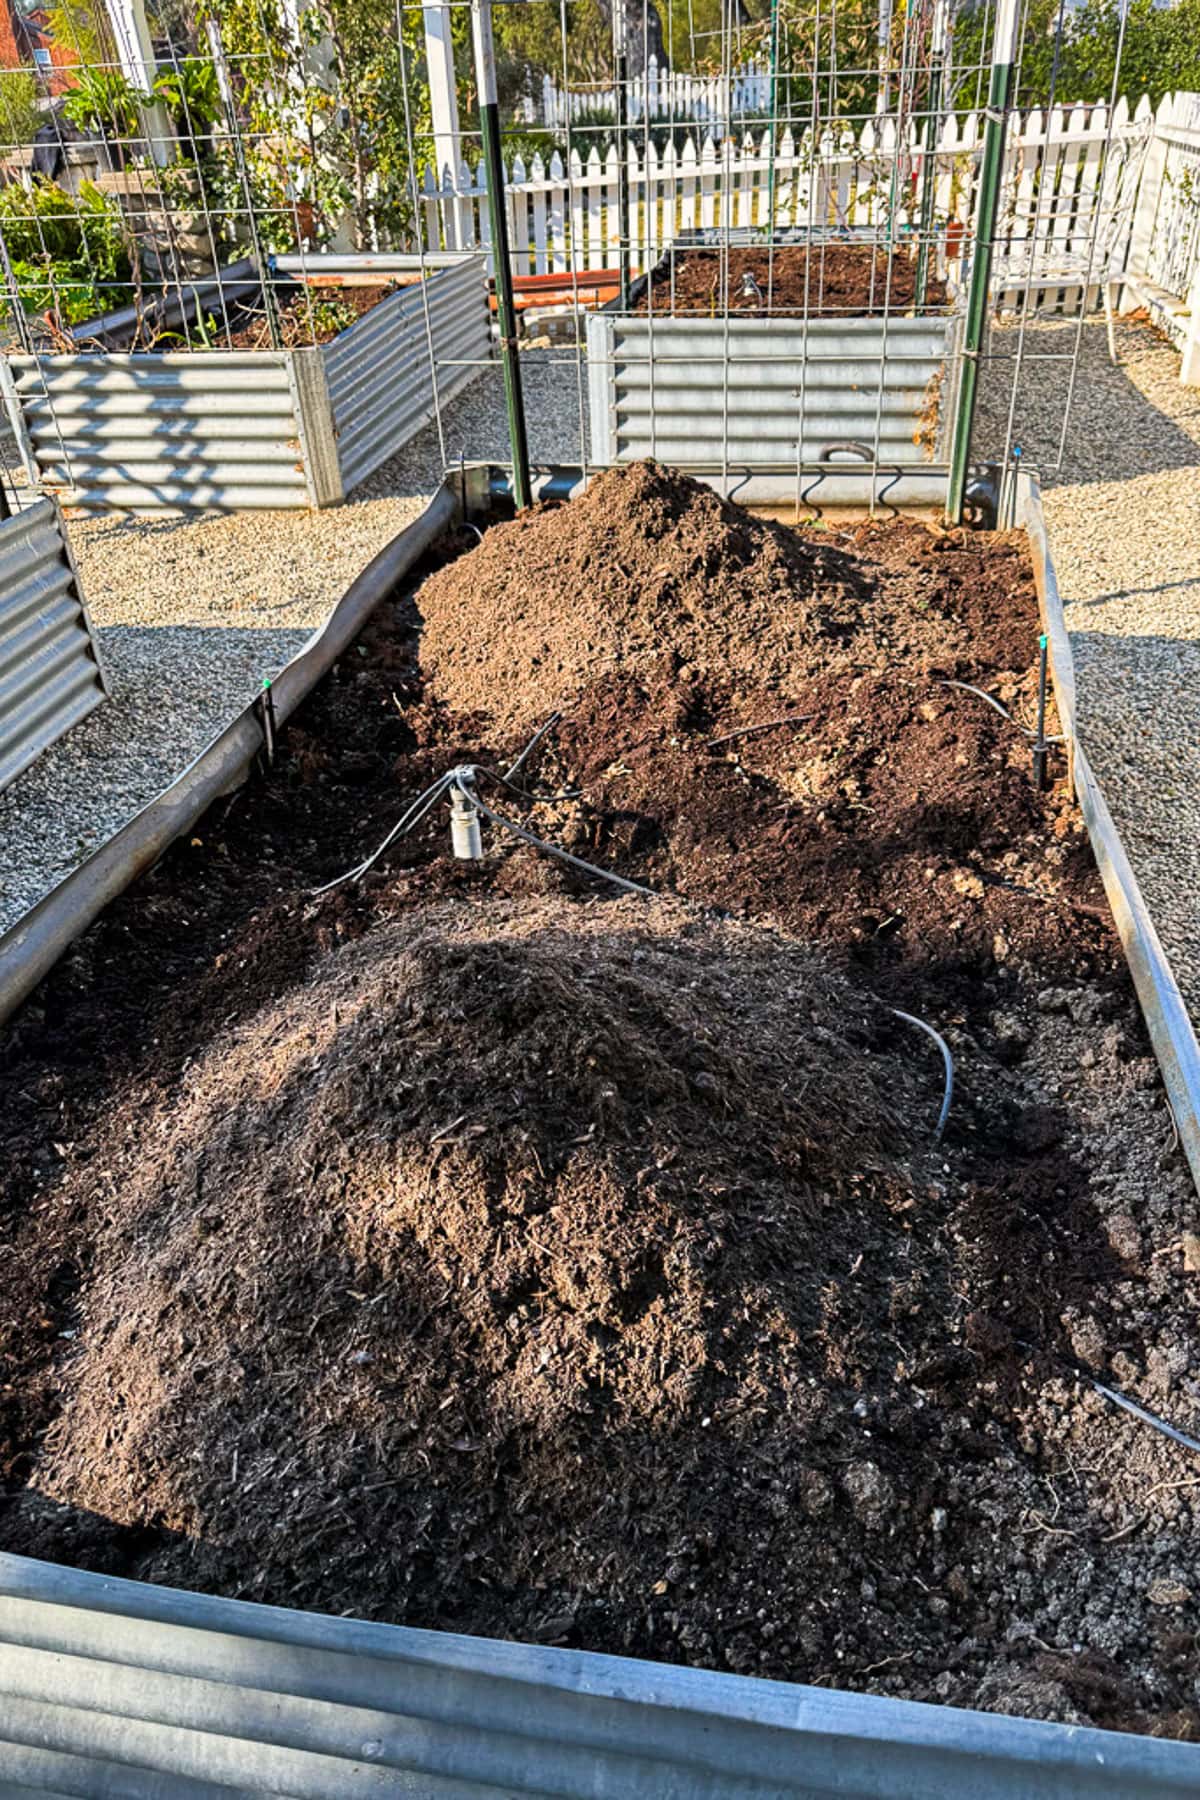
(314, 315)
(462, 1250)
(646, 571)
(832, 279)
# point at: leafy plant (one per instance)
(69, 252)
(326, 103)
(106, 102)
(73, 24)
(192, 94)
(1160, 53)
(325, 318)
(19, 114)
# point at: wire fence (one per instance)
(751, 249)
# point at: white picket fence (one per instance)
(1071, 180)
(1164, 247)
(664, 94)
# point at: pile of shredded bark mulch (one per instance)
(833, 279)
(530, 1258)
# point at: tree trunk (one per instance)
(643, 32)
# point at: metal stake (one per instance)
(1004, 51)
(493, 162)
(1039, 742)
(621, 79)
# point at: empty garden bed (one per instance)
(472, 1245)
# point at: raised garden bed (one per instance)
(765, 281)
(251, 426)
(819, 359)
(469, 1248)
(51, 675)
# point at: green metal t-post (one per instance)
(1000, 93)
(493, 162)
(774, 126)
(620, 32)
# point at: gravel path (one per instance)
(1124, 521)
(193, 612)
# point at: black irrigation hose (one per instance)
(576, 862)
(531, 746)
(1147, 1418)
(525, 793)
(1082, 1373)
(996, 706)
(407, 821)
(948, 1063)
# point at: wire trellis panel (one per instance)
(562, 210)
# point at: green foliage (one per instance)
(69, 251)
(529, 45)
(324, 318)
(1161, 51)
(530, 143)
(325, 115)
(104, 101)
(192, 94)
(19, 115)
(73, 23)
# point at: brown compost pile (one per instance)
(515, 1229)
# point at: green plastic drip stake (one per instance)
(1000, 91)
(493, 162)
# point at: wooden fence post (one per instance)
(1145, 212)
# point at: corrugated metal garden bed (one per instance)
(51, 675)
(898, 1546)
(253, 428)
(783, 394)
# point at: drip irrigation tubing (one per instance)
(408, 820)
(534, 799)
(997, 706)
(746, 731)
(515, 768)
(576, 862)
(948, 1063)
(31, 947)
(1134, 1407)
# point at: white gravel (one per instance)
(192, 613)
(1123, 515)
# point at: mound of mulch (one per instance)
(649, 564)
(646, 558)
(839, 279)
(503, 1268)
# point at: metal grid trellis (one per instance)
(854, 135)
(195, 202)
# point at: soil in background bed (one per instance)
(315, 315)
(476, 1251)
(832, 279)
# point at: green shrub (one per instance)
(19, 114)
(69, 251)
